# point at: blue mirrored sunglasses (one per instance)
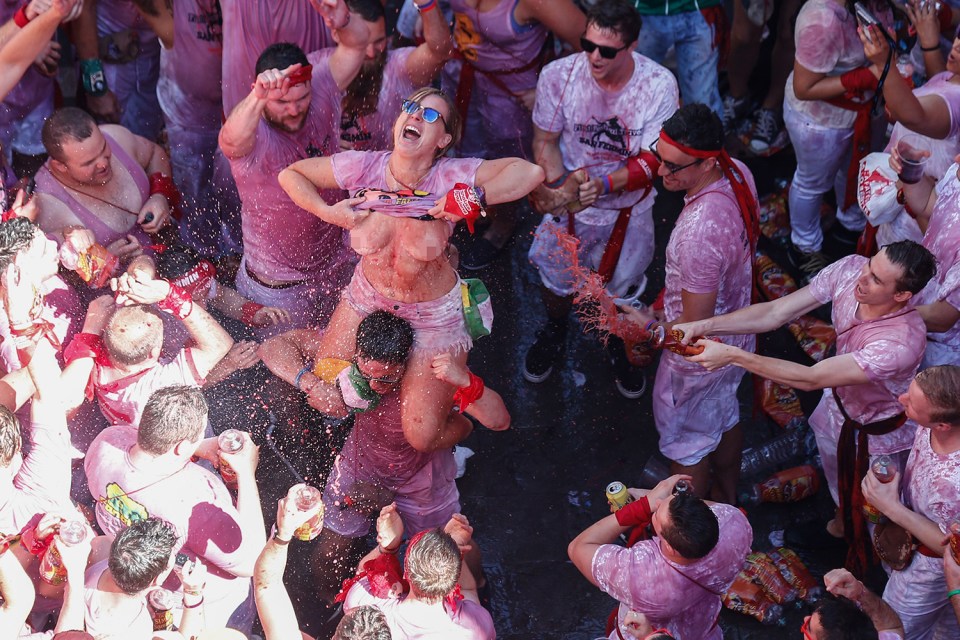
(429, 115)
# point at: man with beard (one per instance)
(371, 101)
(292, 259)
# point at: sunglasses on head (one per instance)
(609, 53)
(429, 115)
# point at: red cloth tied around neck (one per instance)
(749, 207)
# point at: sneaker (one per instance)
(734, 109)
(545, 352)
(844, 236)
(631, 384)
(767, 131)
(810, 263)
(478, 253)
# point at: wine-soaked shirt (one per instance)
(374, 131)
(942, 238)
(467, 621)
(888, 350)
(931, 483)
(709, 251)
(193, 500)
(827, 42)
(190, 73)
(281, 241)
(250, 26)
(684, 599)
(600, 129)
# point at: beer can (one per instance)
(618, 496)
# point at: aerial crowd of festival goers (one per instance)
(235, 227)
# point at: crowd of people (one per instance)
(196, 187)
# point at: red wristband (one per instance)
(165, 186)
(20, 17)
(465, 396)
(177, 303)
(84, 345)
(34, 545)
(247, 313)
(635, 514)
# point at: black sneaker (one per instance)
(735, 110)
(630, 380)
(846, 237)
(809, 263)
(631, 384)
(478, 253)
(546, 352)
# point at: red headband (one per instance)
(301, 75)
(696, 153)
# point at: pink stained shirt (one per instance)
(600, 129)
(931, 482)
(42, 482)
(685, 599)
(356, 170)
(942, 238)
(374, 131)
(827, 42)
(282, 241)
(888, 350)
(468, 621)
(122, 401)
(190, 73)
(192, 499)
(117, 15)
(709, 251)
(250, 26)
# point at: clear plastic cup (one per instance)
(914, 151)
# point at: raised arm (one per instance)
(158, 14)
(488, 409)
(838, 371)
(22, 49)
(239, 133)
(18, 596)
(425, 62)
(560, 17)
(841, 582)
(273, 602)
(348, 56)
(212, 342)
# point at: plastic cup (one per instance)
(914, 151)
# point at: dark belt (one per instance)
(852, 465)
(282, 285)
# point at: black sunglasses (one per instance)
(429, 116)
(606, 52)
(672, 167)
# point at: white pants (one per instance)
(823, 155)
(918, 595)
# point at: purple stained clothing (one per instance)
(888, 350)
(282, 241)
(942, 238)
(374, 131)
(709, 251)
(684, 599)
(250, 26)
(827, 42)
(34, 91)
(467, 621)
(355, 170)
(377, 452)
(931, 488)
(49, 185)
(117, 15)
(600, 129)
(193, 500)
(493, 42)
(190, 73)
